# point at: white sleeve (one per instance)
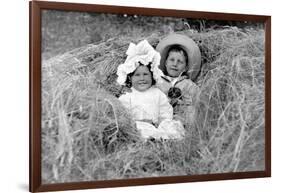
(125, 100)
(165, 109)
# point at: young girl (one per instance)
(148, 105)
(180, 63)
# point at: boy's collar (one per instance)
(171, 79)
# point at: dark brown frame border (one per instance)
(35, 8)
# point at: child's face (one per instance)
(142, 79)
(175, 64)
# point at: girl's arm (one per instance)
(165, 109)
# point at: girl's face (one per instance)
(175, 64)
(142, 78)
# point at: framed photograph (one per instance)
(127, 96)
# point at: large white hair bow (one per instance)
(142, 53)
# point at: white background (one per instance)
(14, 95)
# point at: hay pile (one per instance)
(88, 135)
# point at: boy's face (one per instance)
(142, 79)
(175, 64)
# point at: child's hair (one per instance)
(128, 81)
(176, 48)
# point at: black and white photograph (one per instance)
(132, 96)
(125, 96)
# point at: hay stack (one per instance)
(85, 129)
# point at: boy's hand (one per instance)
(173, 102)
(187, 100)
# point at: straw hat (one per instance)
(191, 48)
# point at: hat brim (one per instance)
(191, 48)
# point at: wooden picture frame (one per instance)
(35, 180)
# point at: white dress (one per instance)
(152, 105)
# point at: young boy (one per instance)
(180, 63)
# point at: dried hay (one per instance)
(88, 135)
